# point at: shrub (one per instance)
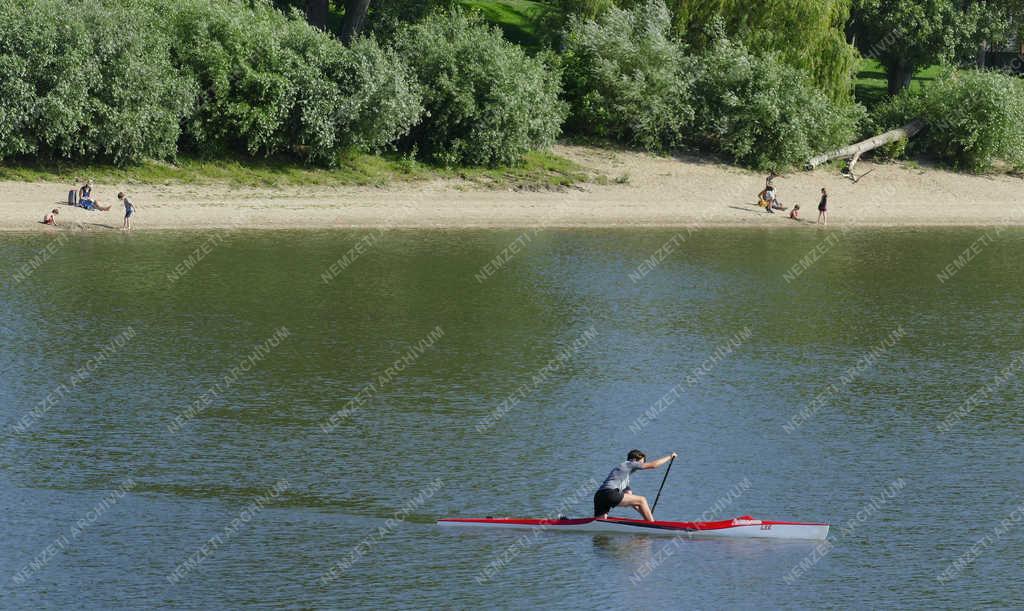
(626, 79)
(555, 17)
(764, 113)
(487, 102)
(973, 119)
(125, 80)
(271, 83)
(88, 79)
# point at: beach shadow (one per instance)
(695, 157)
(100, 225)
(749, 209)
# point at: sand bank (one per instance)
(657, 192)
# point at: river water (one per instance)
(218, 420)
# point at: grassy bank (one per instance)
(872, 87)
(539, 171)
(516, 18)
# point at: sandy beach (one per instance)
(659, 192)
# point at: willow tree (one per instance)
(807, 34)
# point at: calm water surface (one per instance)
(825, 391)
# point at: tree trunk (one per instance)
(982, 55)
(899, 76)
(316, 13)
(352, 23)
(856, 150)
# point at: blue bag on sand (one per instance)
(72, 197)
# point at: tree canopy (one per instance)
(904, 35)
(807, 34)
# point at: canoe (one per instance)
(744, 527)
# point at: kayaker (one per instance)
(615, 490)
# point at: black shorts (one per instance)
(605, 500)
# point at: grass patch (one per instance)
(516, 18)
(872, 88)
(538, 171)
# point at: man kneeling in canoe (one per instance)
(615, 490)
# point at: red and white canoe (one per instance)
(743, 527)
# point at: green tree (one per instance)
(806, 34)
(487, 102)
(904, 35)
(999, 22)
(762, 112)
(626, 79)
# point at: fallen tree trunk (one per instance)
(856, 150)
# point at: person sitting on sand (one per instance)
(770, 200)
(129, 210)
(51, 218)
(85, 199)
(795, 213)
(85, 192)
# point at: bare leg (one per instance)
(639, 503)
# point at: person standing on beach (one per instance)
(129, 210)
(823, 208)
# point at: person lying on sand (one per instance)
(90, 204)
(51, 218)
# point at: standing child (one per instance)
(129, 210)
(823, 208)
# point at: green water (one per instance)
(202, 421)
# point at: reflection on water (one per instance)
(406, 417)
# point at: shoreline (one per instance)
(661, 192)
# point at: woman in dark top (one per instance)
(823, 208)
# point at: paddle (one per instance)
(663, 480)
